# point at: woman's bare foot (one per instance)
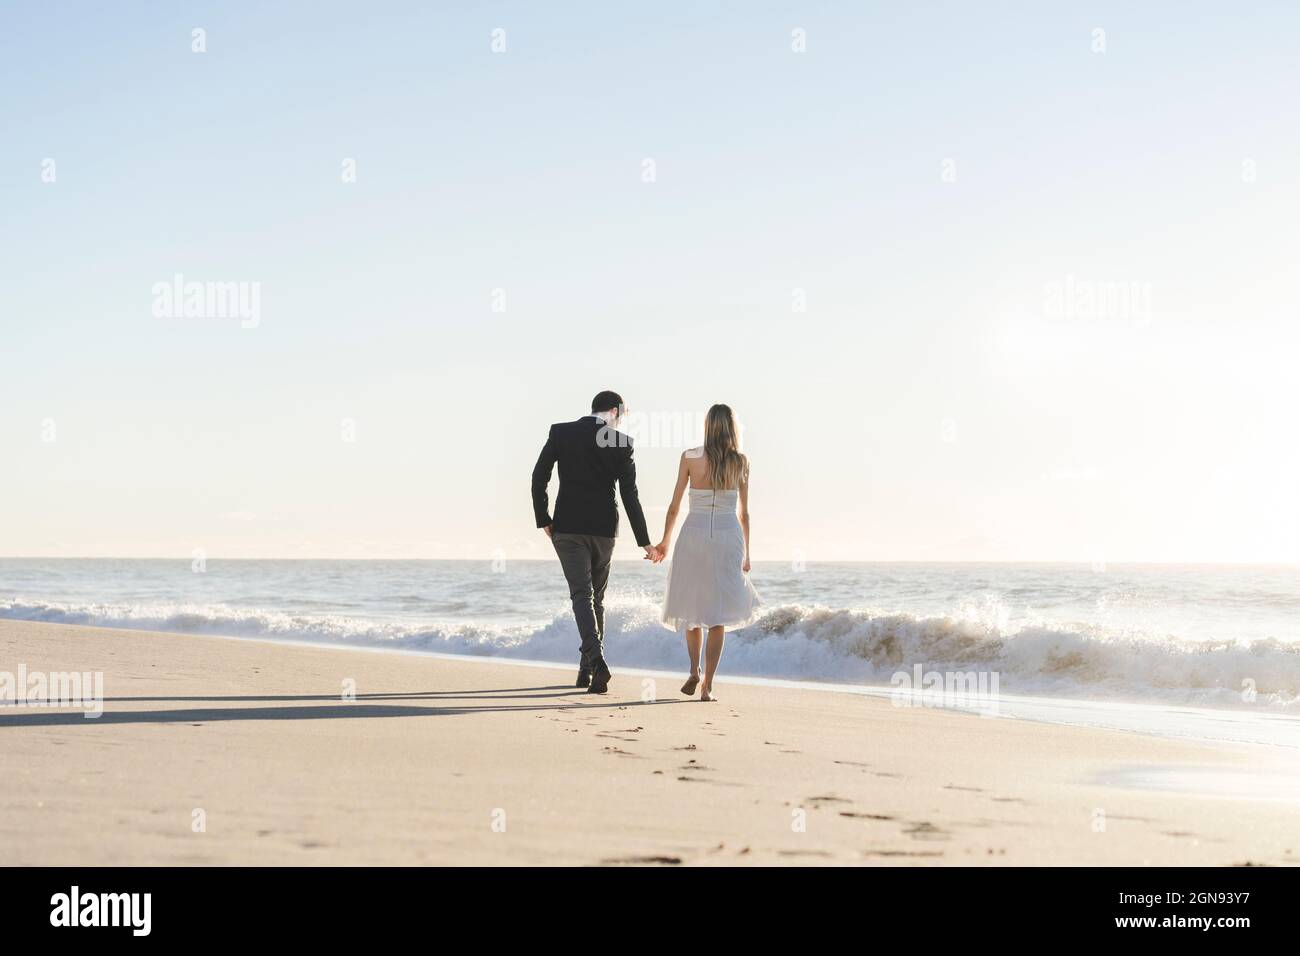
(707, 694)
(691, 683)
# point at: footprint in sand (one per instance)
(985, 824)
(717, 783)
(866, 816)
(687, 747)
(930, 853)
(953, 786)
(619, 752)
(924, 830)
(642, 861)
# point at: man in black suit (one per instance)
(592, 456)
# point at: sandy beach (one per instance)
(449, 761)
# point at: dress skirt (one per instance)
(706, 587)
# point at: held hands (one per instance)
(653, 554)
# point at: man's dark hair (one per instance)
(604, 401)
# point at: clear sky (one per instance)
(1048, 292)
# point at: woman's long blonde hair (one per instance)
(727, 466)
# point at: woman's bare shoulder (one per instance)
(694, 452)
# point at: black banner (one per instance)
(136, 906)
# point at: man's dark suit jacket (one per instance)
(592, 456)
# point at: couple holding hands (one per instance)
(708, 585)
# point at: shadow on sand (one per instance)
(326, 707)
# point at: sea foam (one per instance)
(794, 642)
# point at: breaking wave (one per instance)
(795, 643)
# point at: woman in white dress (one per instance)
(708, 583)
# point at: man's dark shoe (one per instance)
(599, 680)
(584, 677)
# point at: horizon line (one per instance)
(768, 561)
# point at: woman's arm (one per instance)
(744, 512)
(670, 519)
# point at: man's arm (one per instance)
(631, 503)
(542, 478)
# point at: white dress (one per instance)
(706, 587)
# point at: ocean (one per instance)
(1173, 636)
